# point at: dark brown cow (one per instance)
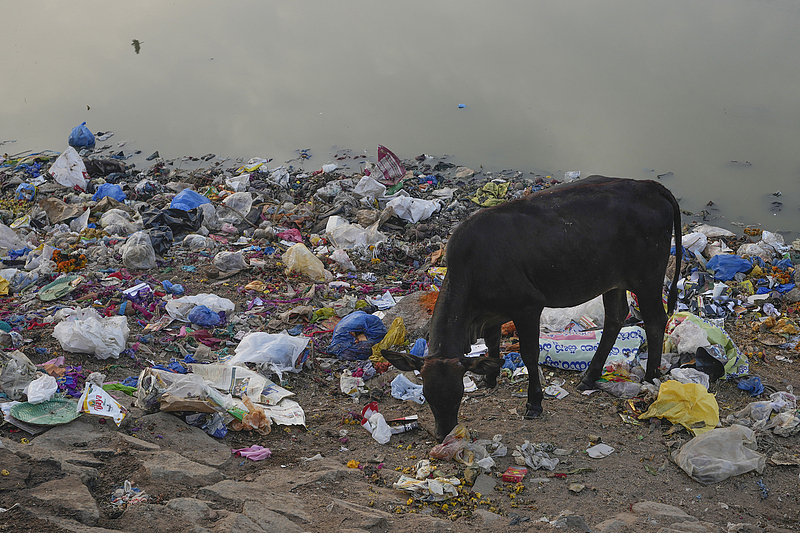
(555, 248)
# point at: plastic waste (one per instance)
(396, 336)
(255, 419)
(536, 455)
(195, 242)
(240, 203)
(9, 240)
(573, 350)
(686, 404)
(346, 236)
(41, 389)
(254, 452)
(80, 223)
(620, 389)
(452, 443)
(119, 222)
(173, 288)
(298, 258)
(389, 167)
(188, 199)
(557, 319)
(84, 331)
(230, 261)
(369, 187)
(109, 189)
(138, 252)
(343, 260)
(688, 337)
(96, 401)
(404, 389)
(690, 375)
(278, 352)
(203, 316)
(719, 454)
(81, 137)
(752, 385)
(16, 374)
(375, 423)
(344, 343)
(179, 308)
(725, 267)
(68, 170)
(238, 183)
(414, 209)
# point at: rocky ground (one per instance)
(331, 474)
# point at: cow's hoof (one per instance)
(586, 384)
(533, 412)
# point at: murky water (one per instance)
(705, 90)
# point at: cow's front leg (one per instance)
(616, 309)
(528, 331)
(491, 335)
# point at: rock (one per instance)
(269, 520)
(81, 464)
(663, 513)
(194, 510)
(416, 310)
(154, 517)
(228, 491)
(488, 516)
(67, 496)
(17, 469)
(572, 522)
(484, 485)
(172, 433)
(364, 517)
(744, 528)
(239, 523)
(612, 525)
(171, 467)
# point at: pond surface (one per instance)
(706, 91)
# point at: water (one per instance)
(704, 90)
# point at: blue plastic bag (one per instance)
(783, 264)
(81, 137)
(420, 348)
(109, 189)
(752, 385)
(173, 288)
(187, 200)
(725, 267)
(203, 316)
(344, 343)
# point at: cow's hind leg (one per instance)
(528, 331)
(616, 309)
(491, 335)
(655, 321)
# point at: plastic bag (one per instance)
(369, 187)
(298, 258)
(396, 336)
(414, 209)
(188, 199)
(203, 316)
(690, 375)
(685, 404)
(80, 223)
(195, 242)
(81, 137)
(240, 202)
(238, 183)
(557, 319)
(403, 389)
(345, 344)
(688, 337)
(9, 239)
(347, 236)
(119, 222)
(96, 401)
(343, 260)
(255, 419)
(230, 261)
(179, 308)
(138, 252)
(278, 352)
(452, 443)
(719, 454)
(18, 372)
(68, 170)
(41, 389)
(84, 331)
(725, 267)
(109, 189)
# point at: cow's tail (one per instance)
(672, 299)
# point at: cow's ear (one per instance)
(403, 361)
(482, 365)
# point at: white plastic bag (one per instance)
(80, 223)
(18, 372)
(557, 319)
(230, 261)
(9, 239)
(179, 308)
(238, 183)
(688, 337)
(414, 209)
(68, 170)
(41, 389)
(369, 187)
(195, 242)
(85, 331)
(241, 202)
(278, 352)
(119, 222)
(719, 454)
(138, 252)
(343, 260)
(379, 429)
(348, 236)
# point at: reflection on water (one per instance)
(705, 91)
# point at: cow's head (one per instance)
(443, 382)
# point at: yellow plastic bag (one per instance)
(3, 286)
(686, 404)
(298, 258)
(395, 336)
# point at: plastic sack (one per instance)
(686, 404)
(719, 454)
(414, 209)
(403, 389)
(278, 352)
(240, 202)
(396, 336)
(9, 239)
(41, 389)
(347, 236)
(345, 344)
(574, 350)
(783, 424)
(109, 189)
(298, 258)
(84, 331)
(369, 187)
(203, 316)
(752, 385)
(80, 223)
(230, 261)
(389, 167)
(238, 183)
(138, 252)
(452, 443)
(18, 372)
(536, 455)
(378, 428)
(81, 137)
(688, 337)
(68, 170)
(195, 242)
(690, 375)
(187, 200)
(725, 267)
(343, 260)
(119, 222)
(620, 389)
(179, 308)
(557, 319)
(736, 364)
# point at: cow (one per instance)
(558, 247)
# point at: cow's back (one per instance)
(562, 246)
